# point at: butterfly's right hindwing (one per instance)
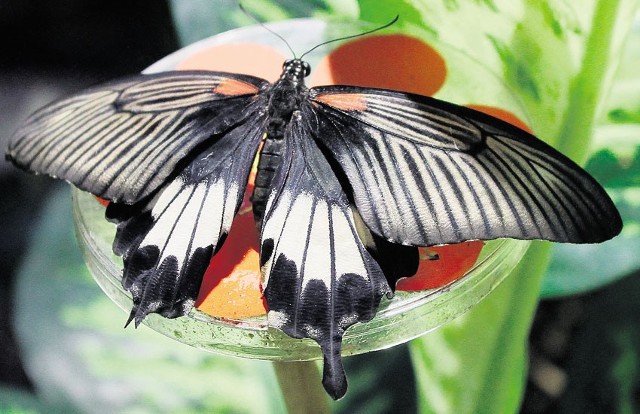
(319, 276)
(122, 140)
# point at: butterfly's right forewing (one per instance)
(425, 172)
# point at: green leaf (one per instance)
(578, 269)
(620, 115)
(613, 171)
(615, 163)
(380, 11)
(15, 401)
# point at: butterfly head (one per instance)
(295, 69)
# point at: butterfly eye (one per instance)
(307, 69)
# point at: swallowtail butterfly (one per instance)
(349, 181)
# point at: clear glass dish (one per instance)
(400, 319)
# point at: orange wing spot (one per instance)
(344, 101)
(232, 87)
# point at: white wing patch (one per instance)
(318, 258)
(349, 255)
(188, 223)
(320, 238)
(190, 216)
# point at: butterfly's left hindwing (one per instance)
(168, 242)
(319, 277)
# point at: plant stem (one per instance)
(586, 88)
(301, 387)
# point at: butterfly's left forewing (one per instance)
(319, 277)
(123, 139)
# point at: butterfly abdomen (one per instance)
(284, 99)
(270, 158)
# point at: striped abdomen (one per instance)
(284, 100)
(270, 158)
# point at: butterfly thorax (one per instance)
(283, 100)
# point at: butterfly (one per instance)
(350, 180)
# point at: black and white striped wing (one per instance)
(168, 242)
(121, 140)
(319, 277)
(426, 172)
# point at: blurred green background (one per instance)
(574, 66)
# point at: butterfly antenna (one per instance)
(255, 19)
(395, 19)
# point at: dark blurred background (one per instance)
(50, 49)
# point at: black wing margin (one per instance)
(121, 140)
(427, 172)
(319, 277)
